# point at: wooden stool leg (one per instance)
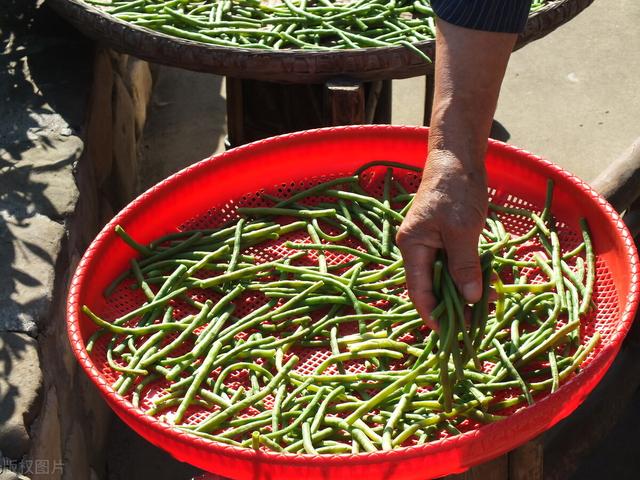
(372, 100)
(235, 112)
(344, 102)
(383, 111)
(429, 89)
(378, 102)
(496, 469)
(460, 476)
(525, 462)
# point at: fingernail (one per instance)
(434, 324)
(472, 291)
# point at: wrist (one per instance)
(464, 163)
(447, 175)
(461, 134)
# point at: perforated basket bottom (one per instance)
(602, 319)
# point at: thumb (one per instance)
(464, 266)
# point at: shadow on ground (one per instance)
(41, 110)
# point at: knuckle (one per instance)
(465, 270)
(403, 237)
(418, 233)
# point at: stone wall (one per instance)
(68, 160)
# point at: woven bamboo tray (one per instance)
(288, 66)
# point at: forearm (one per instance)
(470, 66)
(449, 209)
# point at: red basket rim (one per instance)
(434, 447)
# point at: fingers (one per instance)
(464, 266)
(418, 264)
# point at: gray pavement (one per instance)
(570, 97)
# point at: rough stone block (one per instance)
(83, 227)
(45, 79)
(75, 454)
(124, 142)
(97, 413)
(46, 438)
(43, 86)
(6, 474)
(29, 247)
(120, 61)
(106, 211)
(20, 385)
(64, 366)
(41, 178)
(140, 84)
(99, 134)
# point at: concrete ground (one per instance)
(570, 97)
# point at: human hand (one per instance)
(448, 213)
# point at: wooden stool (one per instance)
(257, 109)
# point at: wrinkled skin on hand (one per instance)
(448, 213)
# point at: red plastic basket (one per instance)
(210, 190)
